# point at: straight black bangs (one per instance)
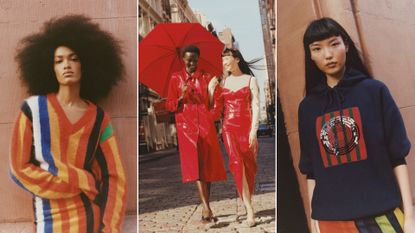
(227, 52)
(321, 30)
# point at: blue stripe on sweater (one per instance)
(45, 132)
(47, 215)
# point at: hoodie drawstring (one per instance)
(334, 95)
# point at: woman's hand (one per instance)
(211, 88)
(184, 89)
(212, 84)
(252, 139)
(402, 176)
(409, 224)
(253, 86)
(314, 226)
(311, 184)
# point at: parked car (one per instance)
(264, 129)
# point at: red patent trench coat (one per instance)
(196, 133)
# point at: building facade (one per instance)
(267, 13)
(227, 38)
(181, 12)
(156, 128)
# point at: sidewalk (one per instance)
(129, 226)
(168, 205)
(147, 157)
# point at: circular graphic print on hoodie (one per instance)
(340, 137)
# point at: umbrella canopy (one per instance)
(159, 53)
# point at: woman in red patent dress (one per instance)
(240, 96)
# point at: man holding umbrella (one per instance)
(178, 61)
(188, 96)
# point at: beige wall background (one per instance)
(20, 18)
(382, 29)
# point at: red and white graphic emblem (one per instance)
(340, 137)
(330, 139)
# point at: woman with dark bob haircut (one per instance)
(353, 140)
(63, 148)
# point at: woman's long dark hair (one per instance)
(244, 66)
(322, 29)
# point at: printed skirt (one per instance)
(390, 222)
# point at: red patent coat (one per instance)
(196, 132)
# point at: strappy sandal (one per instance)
(206, 219)
(250, 223)
(214, 219)
(209, 218)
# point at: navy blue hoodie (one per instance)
(352, 136)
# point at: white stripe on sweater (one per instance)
(33, 103)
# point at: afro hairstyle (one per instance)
(98, 51)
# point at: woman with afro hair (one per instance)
(63, 148)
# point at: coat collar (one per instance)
(196, 75)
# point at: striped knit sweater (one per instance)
(74, 171)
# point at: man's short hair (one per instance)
(190, 49)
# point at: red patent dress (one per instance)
(235, 132)
(196, 132)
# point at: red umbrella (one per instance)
(159, 54)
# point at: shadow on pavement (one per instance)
(160, 186)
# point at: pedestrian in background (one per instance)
(200, 155)
(63, 148)
(353, 140)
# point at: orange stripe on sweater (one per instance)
(337, 227)
(114, 210)
(32, 177)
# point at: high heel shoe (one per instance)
(205, 219)
(209, 218)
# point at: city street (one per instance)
(168, 205)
